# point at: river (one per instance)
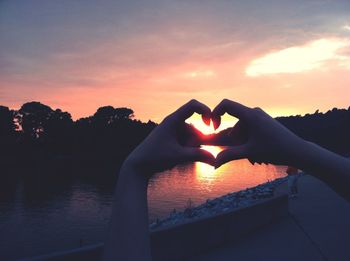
(42, 218)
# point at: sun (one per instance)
(197, 122)
(201, 126)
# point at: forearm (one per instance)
(331, 168)
(129, 232)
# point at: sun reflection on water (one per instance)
(215, 150)
(206, 173)
(199, 182)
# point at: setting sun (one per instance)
(197, 122)
(145, 115)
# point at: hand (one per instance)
(257, 136)
(161, 150)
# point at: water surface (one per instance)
(199, 181)
(38, 217)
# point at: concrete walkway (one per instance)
(317, 228)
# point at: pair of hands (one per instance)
(258, 137)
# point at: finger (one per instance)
(232, 153)
(206, 119)
(216, 121)
(196, 154)
(239, 134)
(233, 108)
(186, 111)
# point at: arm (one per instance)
(128, 232)
(129, 235)
(262, 139)
(331, 168)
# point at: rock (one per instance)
(222, 204)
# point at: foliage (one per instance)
(37, 135)
(7, 124)
(47, 136)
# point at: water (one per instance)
(39, 217)
(198, 182)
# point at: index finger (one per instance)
(186, 111)
(233, 108)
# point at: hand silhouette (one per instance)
(161, 150)
(257, 136)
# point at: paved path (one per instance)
(318, 228)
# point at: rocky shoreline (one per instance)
(220, 205)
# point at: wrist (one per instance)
(132, 172)
(300, 153)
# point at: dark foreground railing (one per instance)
(197, 236)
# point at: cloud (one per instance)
(346, 27)
(200, 74)
(296, 59)
(131, 53)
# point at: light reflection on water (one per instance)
(38, 217)
(199, 181)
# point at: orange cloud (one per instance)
(296, 59)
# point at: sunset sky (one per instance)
(288, 57)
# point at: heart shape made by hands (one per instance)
(256, 136)
(204, 132)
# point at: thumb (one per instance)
(196, 154)
(232, 153)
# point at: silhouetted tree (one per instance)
(108, 115)
(7, 124)
(58, 130)
(32, 117)
(110, 134)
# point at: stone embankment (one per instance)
(220, 205)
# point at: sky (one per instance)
(287, 57)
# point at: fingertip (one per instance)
(216, 122)
(233, 108)
(202, 156)
(191, 107)
(206, 119)
(221, 159)
(217, 164)
(216, 126)
(232, 153)
(209, 161)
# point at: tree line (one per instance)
(37, 135)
